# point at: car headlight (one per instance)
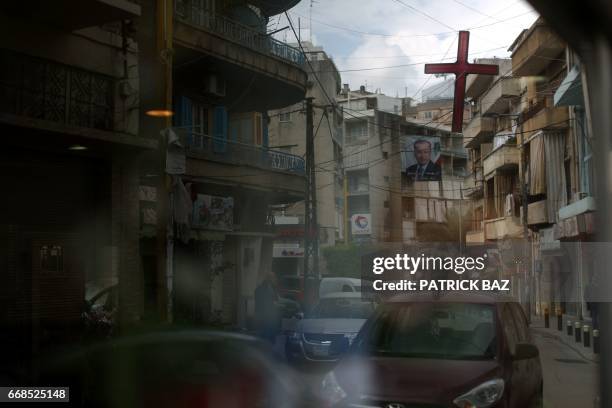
(483, 396)
(331, 391)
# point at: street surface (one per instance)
(570, 378)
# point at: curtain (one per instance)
(556, 196)
(537, 171)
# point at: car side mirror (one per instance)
(524, 351)
(299, 315)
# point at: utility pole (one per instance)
(311, 230)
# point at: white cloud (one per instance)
(408, 36)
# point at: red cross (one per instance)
(461, 68)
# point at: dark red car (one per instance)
(448, 350)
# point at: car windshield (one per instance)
(433, 330)
(342, 308)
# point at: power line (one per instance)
(416, 10)
(365, 33)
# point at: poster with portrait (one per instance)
(420, 156)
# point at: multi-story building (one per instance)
(378, 139)
(492, 182)
(530, 180)
(557, 170)
(71, 150)
(437, 105)
(371, 124)
(287, 133)
(227, 73)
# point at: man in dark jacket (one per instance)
(424, 169)
(267, 317)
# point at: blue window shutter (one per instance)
(264, 130)
(186, 112)
(220, 129)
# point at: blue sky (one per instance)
(364, 34)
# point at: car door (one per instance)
(532, 365)
(518, 376)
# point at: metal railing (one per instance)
(195, 14)
(242, 154)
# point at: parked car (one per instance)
(185, 368)
(334, 285)
(328, 329)
(453, 350)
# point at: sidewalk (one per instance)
(537, 324)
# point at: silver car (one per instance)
(327, 331)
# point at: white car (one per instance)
(334, 285)
(327, 331)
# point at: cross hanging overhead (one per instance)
(461, 68)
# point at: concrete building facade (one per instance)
(287, 133)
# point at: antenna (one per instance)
(312, 2)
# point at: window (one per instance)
(449, 331)
(358, 181)
(200, 119)
(284, 117)
(356, 132)
(385, 155)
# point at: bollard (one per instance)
(586, 336)
(578, 332)
(559, 320)
(596, 341)
(546, 318)
(570, 328)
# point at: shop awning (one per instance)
(569, 92)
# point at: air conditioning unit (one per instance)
(214, 85)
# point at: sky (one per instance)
(401, 35)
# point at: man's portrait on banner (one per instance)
(420, 156)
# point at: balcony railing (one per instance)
(198, 16)
(241, 154)
(43, 89)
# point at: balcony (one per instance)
(504, 157)
(536, 51)
(537, 213)
(546, 118)
(497, 99)
(43, 94)
(479, 130)
(501, 228)
(474, 237)
(473, 184)
(237, 52)
(476, 84)
(240, 154)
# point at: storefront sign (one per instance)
(361, 224)
(287, 251)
